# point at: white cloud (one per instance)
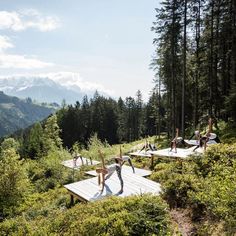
(5, 43)
(17, 61)
(29, 18)
(21, 62)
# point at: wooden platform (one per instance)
(127, 169)
(71, 164)
(181, 152)
(196, 142)
(141, 153)
(88, 190)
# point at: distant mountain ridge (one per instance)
(41, 89)
(18, 114)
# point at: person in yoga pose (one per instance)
(122, 159)
(207, 137)
(175, 141)
(196, 134)
(76, 157)
(105, 173)
(147, 146)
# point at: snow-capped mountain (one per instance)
(48, 88)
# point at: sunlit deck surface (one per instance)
(127, 169)
(76, 165)
(141, 153)
(180, 153)
(196, 142)
(88, 190)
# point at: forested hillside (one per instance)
(17, 114)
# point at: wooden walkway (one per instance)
(127, 169)
(181, 152)
(76, 165)
(88, 190)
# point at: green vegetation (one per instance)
(114, 216)
(204, 184)
(34, 202)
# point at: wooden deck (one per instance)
(76, 165)
(127, 169)
(88, 190)
(196, 142)
(181, 152)
(141, 153)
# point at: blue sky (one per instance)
(103, 43)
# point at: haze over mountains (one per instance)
(18, 114)
(48, 88)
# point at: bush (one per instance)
(137, 215)
(206, 184)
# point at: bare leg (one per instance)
(101, 181)
(82, 161)
(118, 171)
(130, 163)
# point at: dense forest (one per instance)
(195, 60)
(195, 78)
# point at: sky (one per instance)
(104, 44)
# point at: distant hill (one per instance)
(42, 89)
(17, 114)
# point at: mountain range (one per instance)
(18, 114)
(41, 89)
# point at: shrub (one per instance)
(137, 215)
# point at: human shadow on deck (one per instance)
(100, 194)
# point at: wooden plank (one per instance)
(181, 152)
(76, 165)
(128, 169)
(196, 142)
(133, 184)
(141, 153)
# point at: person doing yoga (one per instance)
(123, 159)
(105, 173)
(76, 157)
(147, 146)
(209, 136)
(175, 141)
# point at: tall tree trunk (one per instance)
(215, 61)
(173, 55)
(184, 70)
(210, 76)
(197, 72)
(233, 58)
